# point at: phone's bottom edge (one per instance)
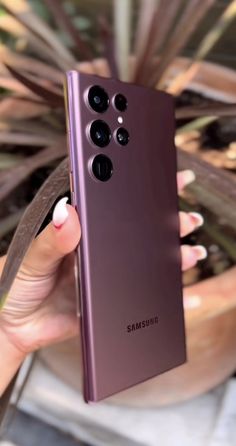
(91, 397)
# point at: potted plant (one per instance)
(33, 129)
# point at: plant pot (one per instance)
(211, 347)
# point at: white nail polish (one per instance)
(199, 220)
(200, 251)
(191, 302)
(189, 176)
(60, 213)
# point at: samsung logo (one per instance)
(142, 324)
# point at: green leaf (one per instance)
(40, 9)
(8, 160)
(196, 124)
(82, 23)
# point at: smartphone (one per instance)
(123, 185)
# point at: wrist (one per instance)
(11, 360)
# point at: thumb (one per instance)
(58, 239)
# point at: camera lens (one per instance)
(120, 102)
(122, 136)
(98, 99)
(102, 167)
(100, 133)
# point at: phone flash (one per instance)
(120, 119)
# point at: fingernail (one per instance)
(198, 218)
(189, 176)
(60, 213)
(191, 302)
(200, 251)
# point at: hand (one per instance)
(40, 309)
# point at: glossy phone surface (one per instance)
(123, 172)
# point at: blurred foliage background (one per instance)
(185, 47)
(84, 15)
(160, 44)
(223, 52)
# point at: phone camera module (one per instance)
(122, 136)
(98, 99)
(120, 102)
(102, 167)
(100, 133)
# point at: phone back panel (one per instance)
(131, 310)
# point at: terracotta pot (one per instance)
(210, 327)
(211, 346)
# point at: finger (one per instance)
(184, 178)
(189, 222)
(58, 239)
(191, 255)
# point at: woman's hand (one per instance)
(188, 223)
(41, 306)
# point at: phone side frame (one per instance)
(71, 90)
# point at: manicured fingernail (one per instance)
(198, 218)
(200, 251)
(189, 176)
(60, 213)
(192, 302)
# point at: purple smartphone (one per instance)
(123, 180)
